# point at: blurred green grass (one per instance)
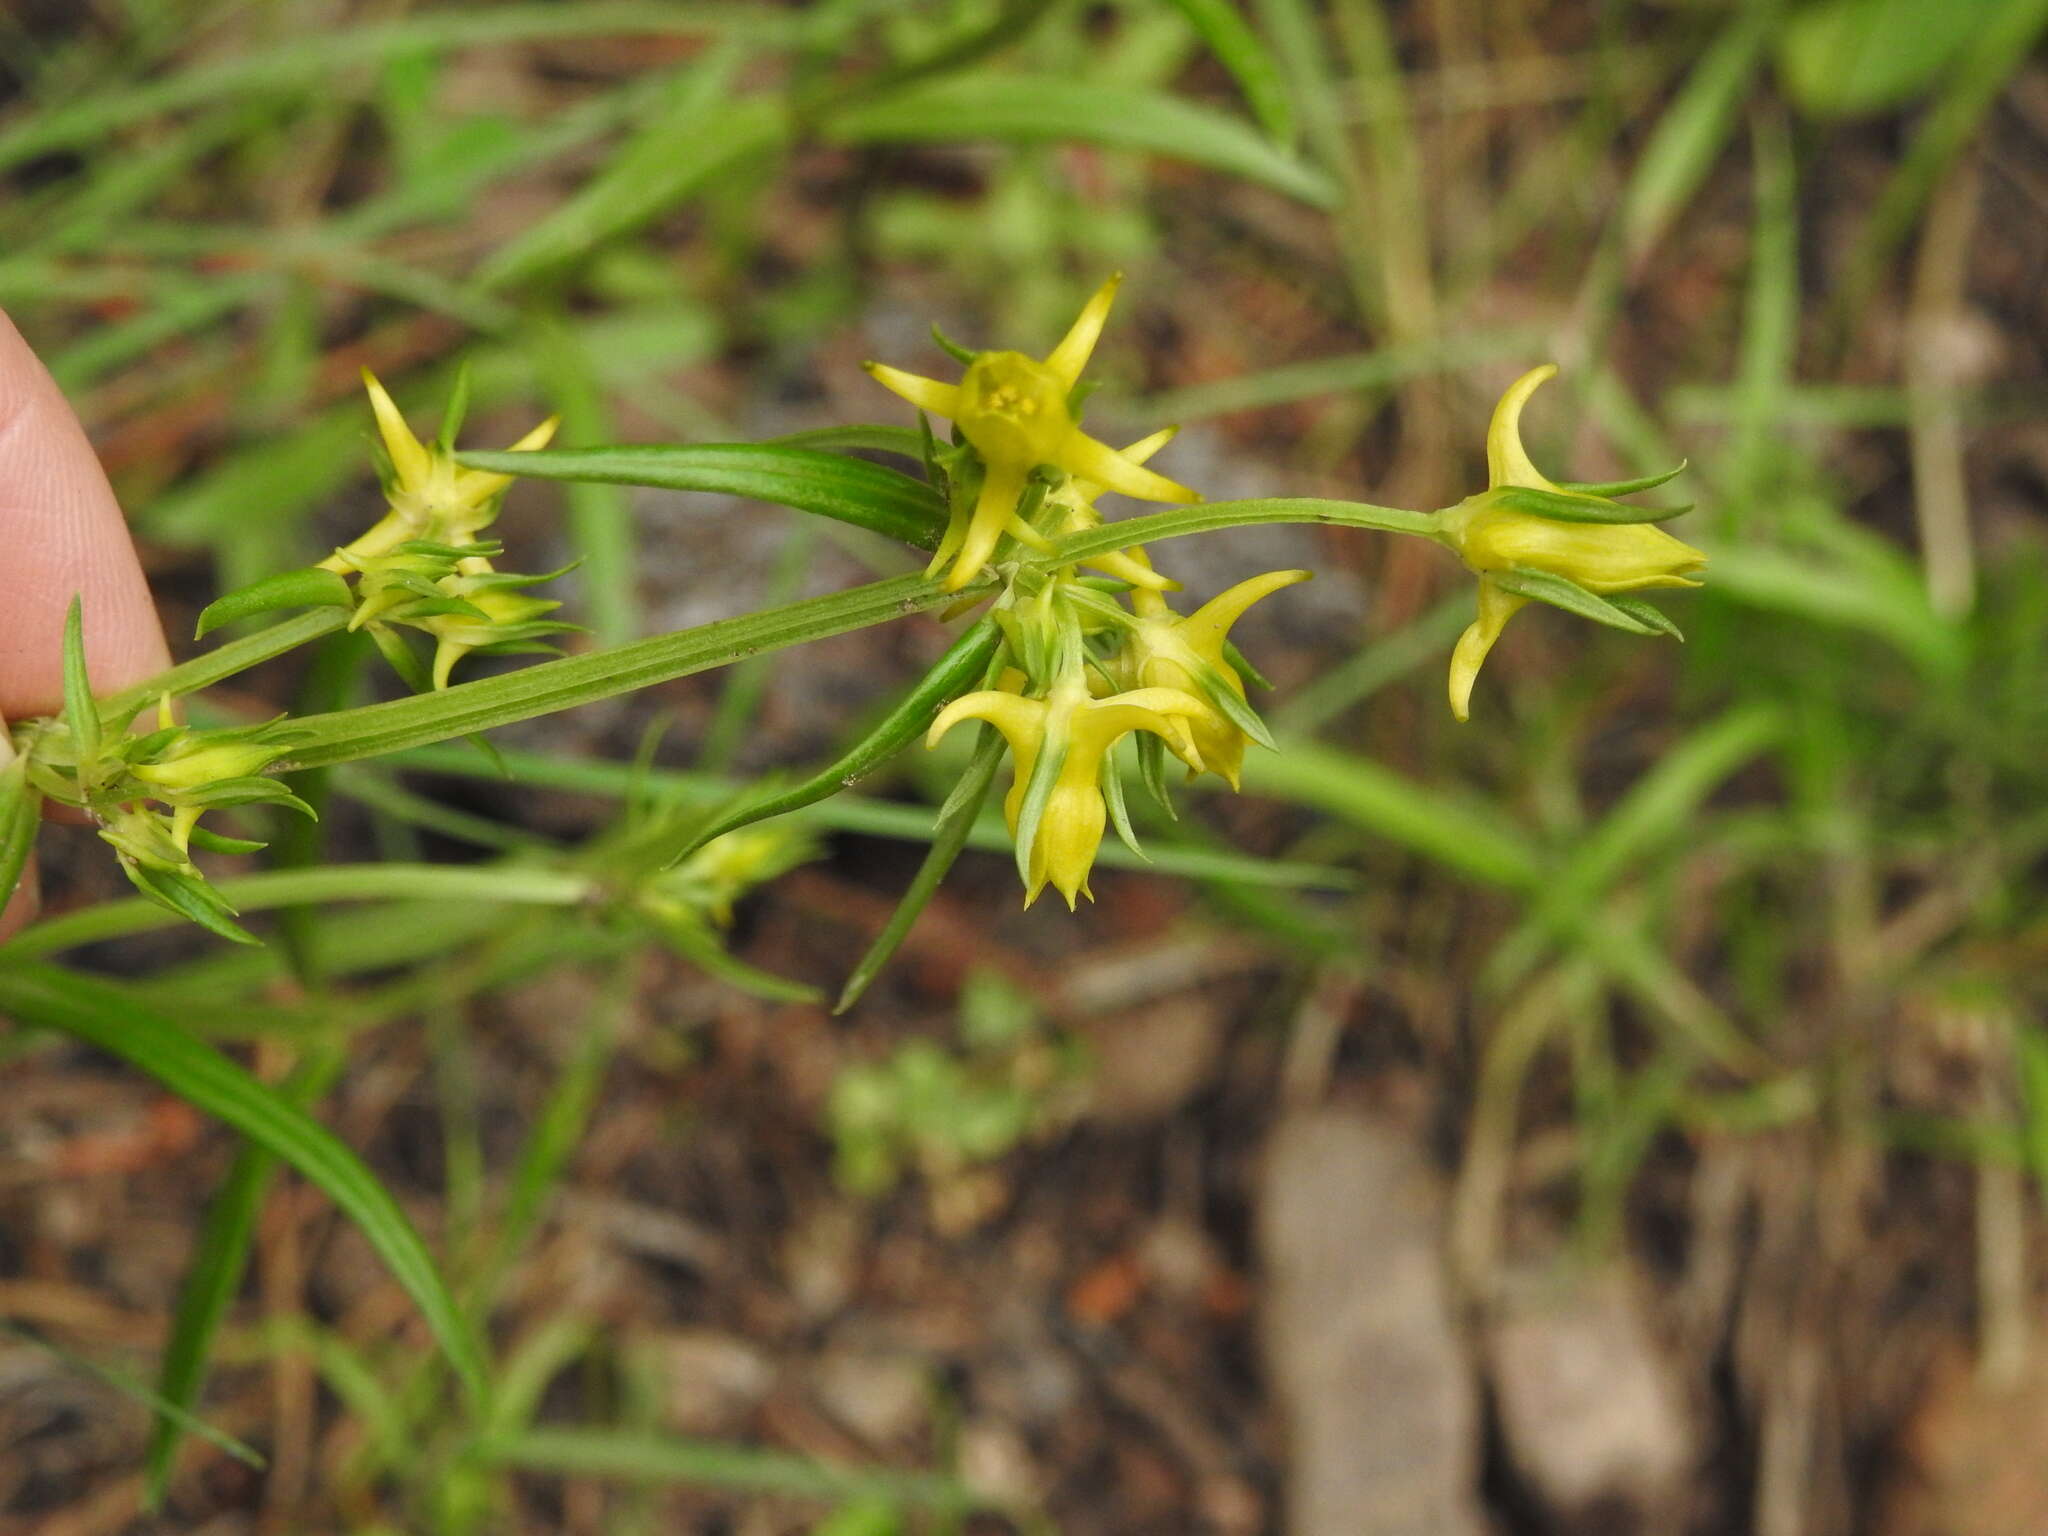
(1672, 893)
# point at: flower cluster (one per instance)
(422, 567)
(1088, 660)
(146, 793)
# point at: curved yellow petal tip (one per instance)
(1507, 462)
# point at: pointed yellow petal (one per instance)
(1209, 625)
(1129, 565)
(1507, 462)
(1495, 609)
(1068, 358)
(538, 438)
(1082, 456)
(1021, 720)
(409, 456)
(993, 512)
(926, 394)
(1099, 723)
(1145, 447)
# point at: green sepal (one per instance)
(1229, 703)
(965, 356)
(457, 409)
(144, 749)
(1649, 613)
(215, 842)
(1113, 798)
(310, 588)
(191, 897)
(250, 791)
(1560, 592)
(80, 712)
(20, 805)
(1571, 507)
(1045, 773)
(955, 821)
(1624, 487)
(965, 664)
(1152, 771)
(1252, 676)
(404, 660)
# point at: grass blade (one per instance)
(104, 1017)
(218, 1261)
(1055, 108)
(956, 820)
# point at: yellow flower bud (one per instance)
(1493, 536)
(192, 762)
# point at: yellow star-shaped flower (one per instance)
(1081, 730)
(1014, 410)
(431, 497)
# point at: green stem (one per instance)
(497, 883)
(225, 661)
(377, 729)
(1209, 516)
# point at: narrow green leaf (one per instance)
(1058, 108)
(1560, 592)
(219, 1258)
(377, 729)
(313, 59)
(109, 1019)
(701, 947)
(872, 439)
(128, 1386)
(2030, 1045)
(226, 661)
(640, 1457)
(601, 529)
(19, 807)
(1207, 517)
(189, 896)
(958, 671)
(1695, 129)
(1465, 835)
(80, 712)
(702, 132)
(310, 588)
(1848, 58)
(828, 484)
(955, 822)
(1652, 814)
(1222, 27)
